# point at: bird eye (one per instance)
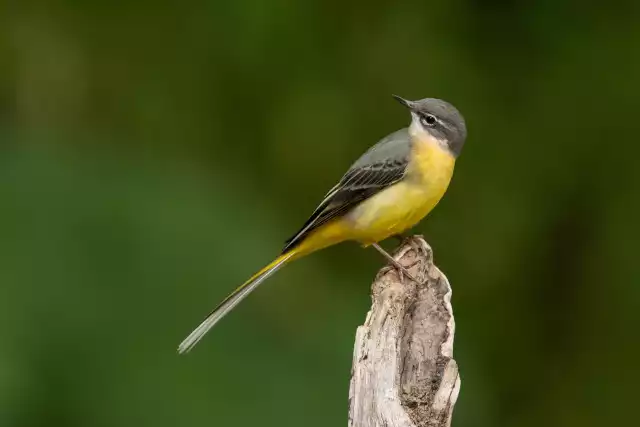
(428, 120)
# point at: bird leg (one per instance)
(399, 267)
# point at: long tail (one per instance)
(234, 299)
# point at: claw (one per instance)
(400, 269)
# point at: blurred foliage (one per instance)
(155, 154)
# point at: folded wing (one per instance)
(382, 165)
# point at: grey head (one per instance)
(439, 119)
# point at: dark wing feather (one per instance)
(380, 167)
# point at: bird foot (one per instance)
(400, 269)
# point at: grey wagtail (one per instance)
(388, 190)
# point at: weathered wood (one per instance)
(403, 371)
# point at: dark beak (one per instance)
(404, 102)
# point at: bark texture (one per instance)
(403, 371)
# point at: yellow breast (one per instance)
(404, 204)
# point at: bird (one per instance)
(385, 192)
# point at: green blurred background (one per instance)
(156, 153)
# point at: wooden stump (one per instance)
(403, 372)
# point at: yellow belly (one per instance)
(404, 204)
